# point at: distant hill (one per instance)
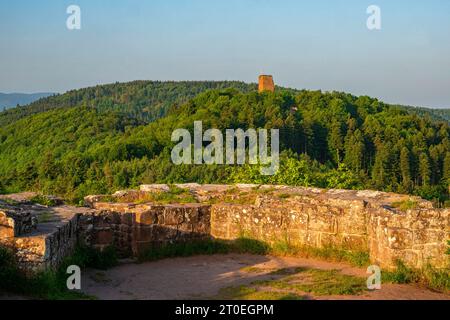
(106, 138)
(9, 100)
(145, 101)
(435, 114)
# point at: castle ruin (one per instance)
(365, 221)
(266, 83)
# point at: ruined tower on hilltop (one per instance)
(266, 83)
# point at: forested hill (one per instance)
(329, 140)
(435, 114)
(149, 100)
(142, 100)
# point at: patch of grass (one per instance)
(405, 205)
(43, 200)
(8, 201)
(205, 247)
(238, 292)
(44, 285)
(251, 246)
(265, 190)
(273, 271)
(250, 293)
(436, 279)
(332, 282)
(287, 271)
(86, 257)
(248, 245)
(319, 282)
(253, 270)
(201, 247)
(235, 196)
(284, 196)
(45, 217)
(109, 198)
(401, 275)
(294, 283)
(51, 284)
(356, 258)
(10, 276)
(174, 195)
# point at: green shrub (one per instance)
(86, 257)
(401, 275)
(51, 284)
(405, 205)
(437, 279)
(206, 247)
(43, 200)
(354, 257)
(10, 276)
(248, 245)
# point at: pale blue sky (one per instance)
(305, 44)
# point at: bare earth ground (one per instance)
(202, 277)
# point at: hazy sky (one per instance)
(304, 44)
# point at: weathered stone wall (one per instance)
(14, 224)
(133, 229)
(45, 247)
(302, 222)
(355, 220)
(40, 237)
(417, 237)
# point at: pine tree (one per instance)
(308, 135)
(424, 169)
(446, 176)
(354, 151)
(405, 168)
(336, 141)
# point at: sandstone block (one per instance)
(103, 237)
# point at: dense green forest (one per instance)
(106, 138)
(435, 114)
(142, 100)
(150, 100)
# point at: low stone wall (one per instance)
(298, 223)
(46, 247)
(355, 220)
(14, 224)
(133, 229)
(417, 237)
(40, 237)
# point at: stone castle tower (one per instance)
(266, 83)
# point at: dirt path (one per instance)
(202, 277)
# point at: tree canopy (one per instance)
(117, 136)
